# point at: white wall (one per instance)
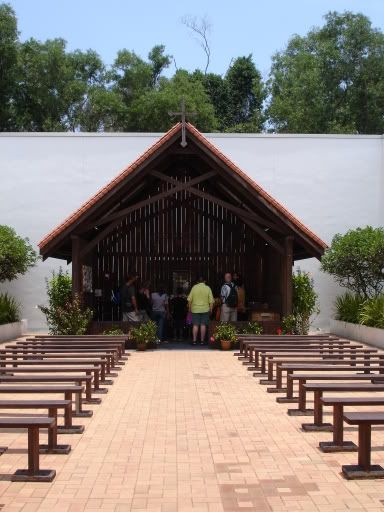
(331, 183)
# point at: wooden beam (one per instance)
(76, 266)
(286, 276)
(115, 219)
(246, 216)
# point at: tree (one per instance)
(356, 261)
(53, 85)
(8, 62)
(150, 111)
(331, 80)
(200, 28)
(246, 94)
(304, 303)
(16, 254)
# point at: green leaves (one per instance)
(356, 261)
(304, 301)
(9, 309)
(16, 254)
(348, 307)
(65, 314)
(330, 81)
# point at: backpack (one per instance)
(232, 299)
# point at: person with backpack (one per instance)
(229, 300)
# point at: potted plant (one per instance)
(226, 335)
(144, 334)
(253, 328)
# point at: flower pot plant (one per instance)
(144, 334)
(225, 333)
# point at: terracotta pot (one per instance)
(225, 345)
(141, 347)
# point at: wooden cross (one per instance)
(183, 115)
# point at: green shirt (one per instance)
(200, 298)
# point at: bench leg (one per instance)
(288, 398)
(318, 424)
(88, 391)
(52, 446)
(78, 412)
(33, 473)
(279, 381)
(68, 428)
(337, 444)
(363, 469)
(302, 409)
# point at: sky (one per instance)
(242, 27)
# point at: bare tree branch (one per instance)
(201, 28)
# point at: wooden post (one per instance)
(76, 266)
(286, 276)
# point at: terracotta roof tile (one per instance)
(149, 152)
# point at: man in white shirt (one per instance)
(229, 300)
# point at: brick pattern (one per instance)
(190, 430)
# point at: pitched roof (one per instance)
(71, 219)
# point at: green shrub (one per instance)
(372, 312)
(65, 314)
(304, 301)
(288, 325)
(144, 333)
(348, 307)
(225, 331)
(113, 331)
(9, 309)
(253, 328)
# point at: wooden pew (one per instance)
(68, 392)
(52, 406)
(60, 362)
(33, 473)
(32, 352)
(338, 403)
(15, 356)
(269, 357)
(244, 338)
(329, 365)
(36, 368)
(252, 347)
(73, 342)
(256, 352)
(364, 468)
(55, 378)
(319, 387)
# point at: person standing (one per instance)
(159, 310)
(229, 300)
(144, 301)
(200, 301)
(179, 310)
(129, 300)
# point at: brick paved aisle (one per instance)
(190, 430)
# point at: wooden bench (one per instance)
(364, 468)
(68, 392)
(52, 406)
(36, 368)
(253, 347)
(319, 387)
(323, 366)
(338, 403)
(76, 379)
(46, 352)
(60, 362)
(79, 342)
(33, 473)
(245, 338)
(59, 355)
(268, 357)
(250, 344)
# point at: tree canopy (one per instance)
(16, 254)
(329, 81)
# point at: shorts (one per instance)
(200, 318)
(131, 316)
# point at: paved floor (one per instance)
(190, 430)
